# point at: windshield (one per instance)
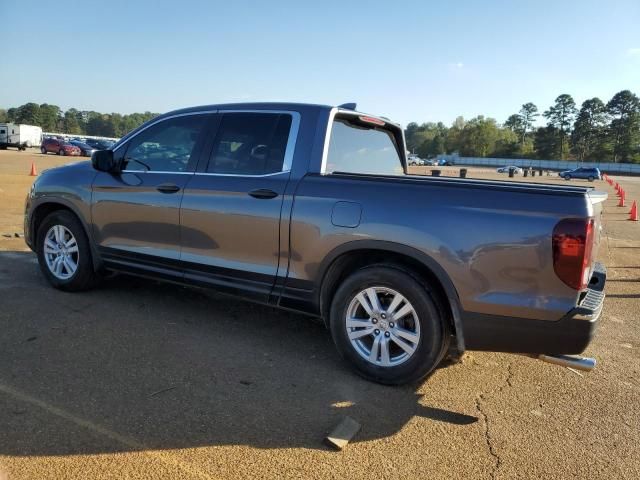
(359, 147)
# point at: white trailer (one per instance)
(19, 136)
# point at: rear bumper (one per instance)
(569, 335)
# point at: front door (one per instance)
(231, 207)
(136, 212)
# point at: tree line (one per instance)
(597, 131)
(52, 118)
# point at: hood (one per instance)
(72, 167)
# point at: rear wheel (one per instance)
(567, 177)
(63, 252)
(61, 152)
(43, 150)
(591, 179)
(388, 325)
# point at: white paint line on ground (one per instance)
(128, 442)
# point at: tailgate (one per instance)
(597, 199)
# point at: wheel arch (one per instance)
(47, 207)
(346, 258)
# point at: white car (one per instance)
(516, 170)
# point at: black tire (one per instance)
(434, 327)
(84, 277)
(43, 150)
(591, 179)
(61, 152)
(567, 177)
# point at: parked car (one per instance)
(99, 144)
(590, 174)
(85, 150)
(245, 202)
(58, 146)
(516, 170)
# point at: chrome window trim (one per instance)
(241, 175)
(288, 154)
(157, 121)
(156, 171)
(327, 137)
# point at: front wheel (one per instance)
(567, 177)
(61, 152)
(43, 150)
(388, 325)
(63, 252)
(591, 179)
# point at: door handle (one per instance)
(263, 193)
(168, 188)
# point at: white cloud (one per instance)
(457, 65)
(633, 51)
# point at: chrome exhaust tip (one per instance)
(585, 364)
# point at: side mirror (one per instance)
(103, 160)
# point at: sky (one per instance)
(410, 61)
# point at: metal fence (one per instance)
(605, 167)
(77, 135)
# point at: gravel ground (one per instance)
(139, 379)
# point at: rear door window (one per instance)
(250, 143)
(356, 146)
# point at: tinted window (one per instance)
(362, 148)
(250, 144)
(2, 131)
(165, 147)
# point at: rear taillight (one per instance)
(572, 248)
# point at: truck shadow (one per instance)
(139, 365)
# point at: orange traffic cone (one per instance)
(621, 202)
(633, 214)
(34, 172)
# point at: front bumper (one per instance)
(570, 335)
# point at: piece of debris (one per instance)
(343, 433)
(18, 235)
(31, 339)
(245, 382)
(7, 235)
(161, 391)
(574, 371)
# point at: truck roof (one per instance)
(291, 106)
(252, 106)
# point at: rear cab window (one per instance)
(362, 144)
(251, 144)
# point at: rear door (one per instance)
(136, 212)
(231, 208)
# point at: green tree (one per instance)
(12, 114)
(29, 114)
(454, 137)
(624, 130)
(479, 137)
(49, 117)
(589, 128)
(528, 113)
(4, 117)
(515, 124)
(560, 116)
(70, 122)
(547, 143)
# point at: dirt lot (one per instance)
(139, 379)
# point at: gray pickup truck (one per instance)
(310, 208)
